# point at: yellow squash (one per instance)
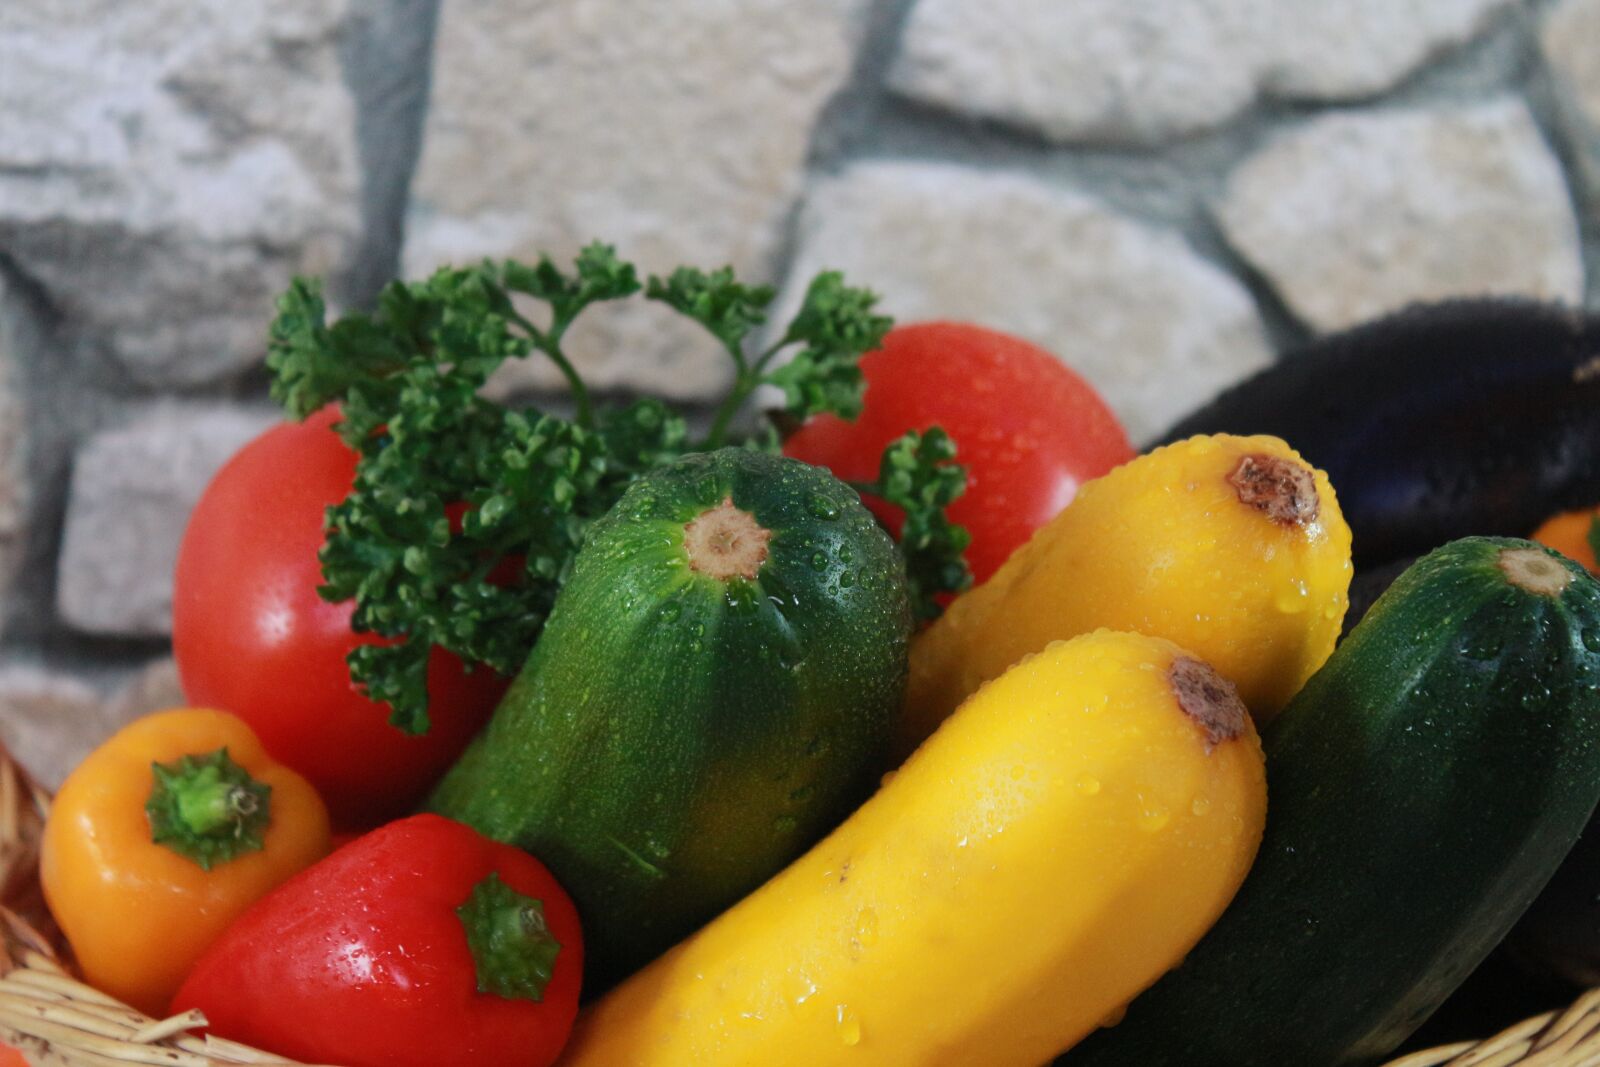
(1060, 843)
(1233, 547)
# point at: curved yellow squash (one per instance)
(1060, 843)
(1233, 547)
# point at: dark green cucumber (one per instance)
(712, 693)
(1423, 787)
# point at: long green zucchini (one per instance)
(1422, 788)
(713, 692)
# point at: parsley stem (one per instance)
(580, 392)
(745, 379)
(766, 357)
(744, 382)
(549, 342)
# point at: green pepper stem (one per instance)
(512, 947)
(207, 808)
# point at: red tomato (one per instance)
(252, 637)
(1028, 429)
(364, 959)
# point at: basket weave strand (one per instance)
(57, 1021)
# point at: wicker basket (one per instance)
(58, 1021)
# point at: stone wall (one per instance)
(1164, 193)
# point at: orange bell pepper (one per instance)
(161, 837)
(1568, 534)
(10, 1057)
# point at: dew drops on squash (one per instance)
(847, 1025)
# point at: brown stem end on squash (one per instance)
(1208, 698)
(726, 542)
(1284, 490)
(1534, 570)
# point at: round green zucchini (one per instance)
(1423, 787)
(713, 692)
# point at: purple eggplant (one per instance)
(1444, 420)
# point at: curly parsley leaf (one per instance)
(312, 362)
(641, 437)
(451, 491)
(919, 475)
(598, 275)
(727, 308)
(465, 515)
(450, 485)
(837, 326)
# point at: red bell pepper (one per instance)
(421, 944)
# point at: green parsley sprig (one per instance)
(466, 514)
(918, 475)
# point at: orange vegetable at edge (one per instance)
(139, 913)
(10, 1057)
(1568, 534)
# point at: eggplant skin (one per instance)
(1559, 936)
(1441, 421)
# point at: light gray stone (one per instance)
(154, 687)
(1111, 70)
(50, 721)
(166, 166)
(1346, 49)
(1153, 326)
(13, 467)
(132, 491)
(1354, 215)
(677, 132)
(1570, 40)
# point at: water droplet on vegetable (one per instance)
(823, 508)
(867, 928)
(1088, 785)
(848, 1026)
(1153, 817)
(1294, 599)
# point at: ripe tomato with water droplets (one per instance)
(1028, 429)
(252, 636)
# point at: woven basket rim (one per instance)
(53, 1018)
